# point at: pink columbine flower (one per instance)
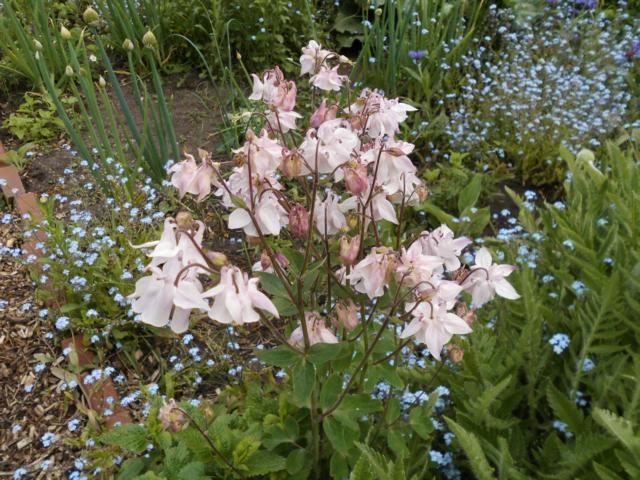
(416, 268)
(371, 274)
(328, 79)
(441, 243)
(188, 177)
(313, 57)
(433, 325)
(488, 279)
(356, 178)
(317, 330)
(329, 216)
(269, 214)
(299, 221)
(160, 301)
(237, 297)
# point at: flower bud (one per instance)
(291, 163)
(349, 249)
(343, 59)
(352, 221)
(102, 82)
(323, 114)
(467, 315)
(37, 45)
(378, 12)
(128, 45)
(347, 313)
(456, 353)
(68, 71)
(238, 56)
(356, 178)
(65, 33)
(585, 156)
(184, 220)
(172, 417)
(299, 221)
(422, 192)
(90, 16)
(149, 40)
(217, 259)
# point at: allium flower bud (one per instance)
(585, 155)
(291, 163)
(172, 417)
(184, 219)
(356, 178)
(218, 259)
(238, 56)
(347, 313)
(37, 45)
(299, 221)
(90, 16)
(149, 40)
(349, 249)
(68, 71)
(128, 45)
(456, 353)
(102, 82)
(65, 33)
(378, 12)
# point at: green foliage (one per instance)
(21, 157)
(524, 411)
(441, 31)
(35, 120)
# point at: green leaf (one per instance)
(331, 390)
(284, 306)
(192, 471)
(323, 352)
(620, 428)
(471, 446)
(340, 435)
(271, 284)
(280, 356)
(397, 444)
(303, 377)
(469, 194)
(131, 468)
(357, 405)
(263, 463)
(564, 409)
(131, 437)
(296, 460)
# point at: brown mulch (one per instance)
(31, 403)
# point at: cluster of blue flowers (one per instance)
(562, 80)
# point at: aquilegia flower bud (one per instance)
(299, 221)
(356, 178)
(291, 162)
(184, 219)
(349, 249)
(218, 259)
(347, 312)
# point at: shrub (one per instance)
(349, 284)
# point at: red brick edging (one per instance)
(101, 395)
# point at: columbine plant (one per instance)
(324, 212)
